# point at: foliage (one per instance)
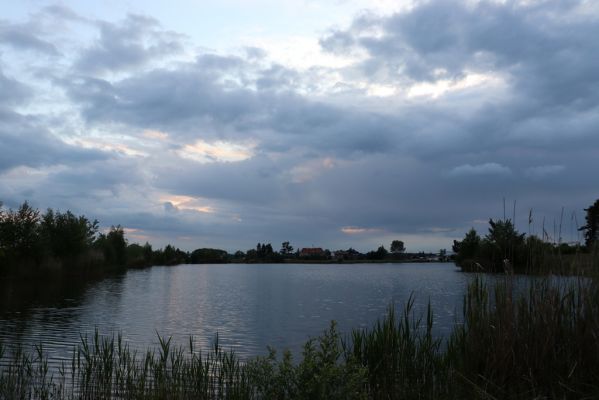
(34, 244)
(66, 234)
(504, 249)
(401, 357)
(591, 228)
(170, 255)
(379, 254)
(467, 249)
(537, 344)
(263, 253)
(139, 256)
(19, 234)
(211, 256)
(397, 247)
(286, 249)
(114, 246)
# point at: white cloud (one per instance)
(219, 151)
(444, 86)
(356, 230)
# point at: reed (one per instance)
(536, 343)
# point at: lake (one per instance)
(250, 306)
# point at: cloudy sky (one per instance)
(332, 123)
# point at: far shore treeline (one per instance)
(33, 243)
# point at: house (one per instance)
(349, 254)
(312, 252)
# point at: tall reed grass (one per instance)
(539, 343)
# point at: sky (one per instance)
(331, 123)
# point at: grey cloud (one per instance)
(542, 171)
(254, 181)
(132, 43)
(191, 102)
(25, 37)
(481, 169)
(551, 57)
(255, 53)
(25, 142)
(419, 166)
(216, 63)
(169, 207)
(338, 42)
(278, 78)
(13, 92)
(62, 12)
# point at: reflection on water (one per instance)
(249, 306)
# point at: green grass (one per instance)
(540, 344)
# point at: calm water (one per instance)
(249, 306)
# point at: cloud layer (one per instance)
(428, 119)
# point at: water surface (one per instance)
(250, 306)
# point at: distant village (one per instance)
(264, 252)
(351, 254)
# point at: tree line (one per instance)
(33, 243)
(504, 249)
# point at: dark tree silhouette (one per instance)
(397, 247)
(19, 233)
(467, 248)
(113, 246)
(286, 249)
(591, 234)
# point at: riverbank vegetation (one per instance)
(513, 344)
(504, 249)
(36, 244)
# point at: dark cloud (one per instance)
(24, 141)
(547, 49)
(193, 102)
(316, 161)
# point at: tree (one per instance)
(264, 250)
(504, 238)
(19, 232)
(443, 255)
(397, 247)
(467, 249)
(239, 255)
(591, 234)
(379, 254)
(65, 234)
(205, 255)
(382, 252)
(114, 246)
(286, 249)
